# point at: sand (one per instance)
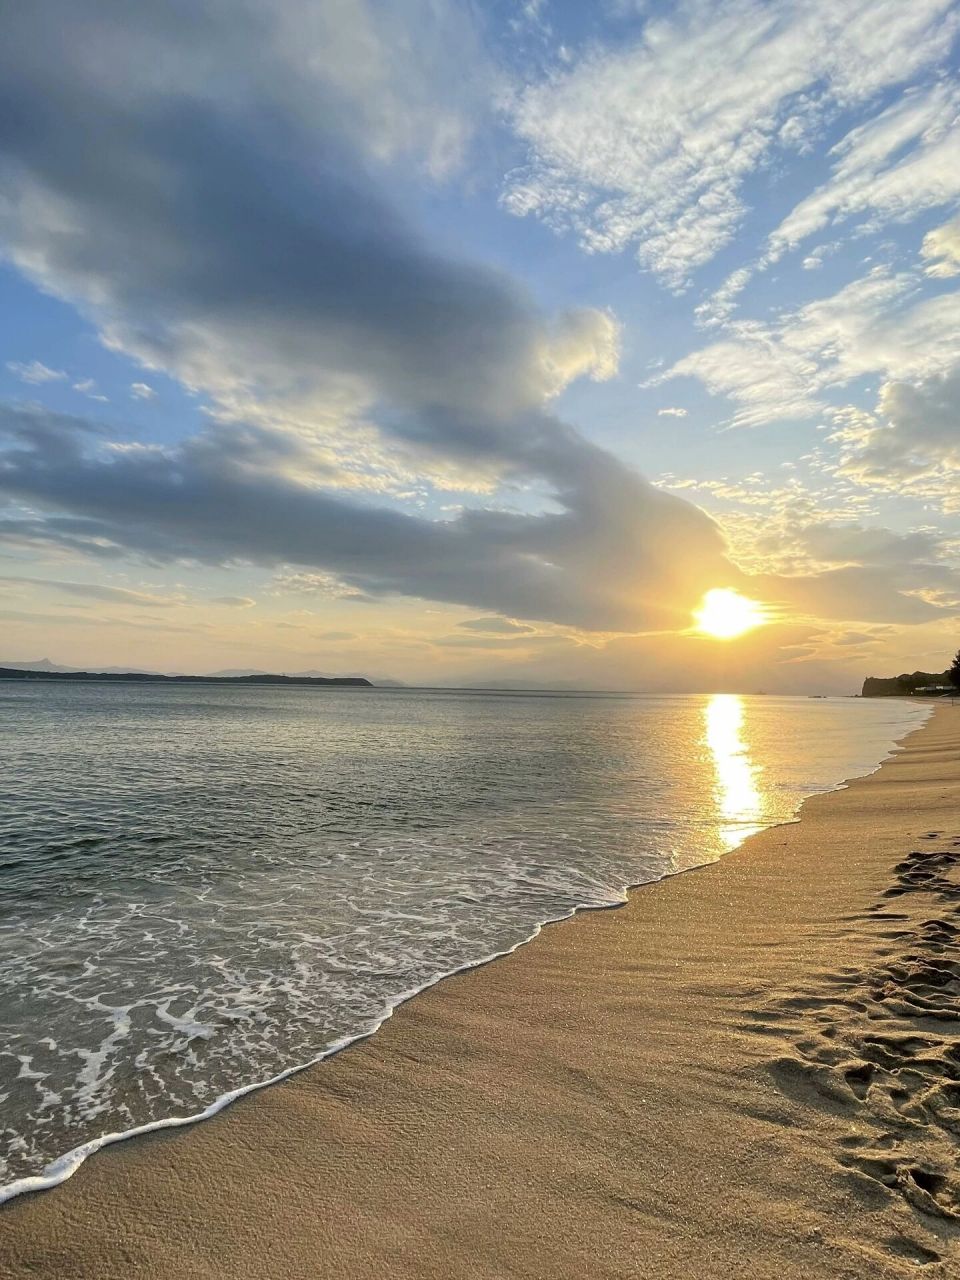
(751, 1070)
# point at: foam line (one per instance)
(65, 1166)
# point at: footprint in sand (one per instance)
(886, 1053)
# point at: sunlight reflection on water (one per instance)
(739, 797)
(204, 888)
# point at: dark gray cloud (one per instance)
(207, 181)
(863, 545)
(217, 186)
(223, 223)
(620, 554)
(870, 574)
(864, 593)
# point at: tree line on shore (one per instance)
(913, 682)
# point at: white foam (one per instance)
(65, 1166)
(386, 938)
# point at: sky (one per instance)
(474, 342)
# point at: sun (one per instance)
(725, 614)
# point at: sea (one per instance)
(205, 888)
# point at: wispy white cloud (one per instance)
(649, 146)
(815, 259)
(346, 88)
(302, 582)
(721, 304)
(892, 168)
(817, 548)
(244, 235)
(496, 626)
(782, 369)
(98, 591)
(35, 373)
(941, 250)
(87, 387)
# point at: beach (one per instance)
(743, 1072)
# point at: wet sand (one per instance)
(752, 1070)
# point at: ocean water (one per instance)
(204, 888)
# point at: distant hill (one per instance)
(41, 664)
(381, 682)
(146, 677)
(898, 686)
(235, 673)
(44, 664)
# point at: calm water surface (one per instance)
(205, 887)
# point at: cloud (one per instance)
(890, 169)
(782, 370)
(98, 591)
(35, 373)
(650, 145)
(141, 391)
(862, 594)
(941, 249)
(87, 387)
(618, 554)
(844, 570)
(290, 581)
(671, 413)
(497, 626)
(237, 233)
(234, 602)
(721, 304)
(228, 231)
(819, 552)
(893, 167)
(54, 621)
(910, 444)
(242, 243)
(503, 643)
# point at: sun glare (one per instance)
(725, 614)
(739, 797)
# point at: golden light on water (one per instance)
(725, 614)
(738, 793)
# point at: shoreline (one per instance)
(558, 1013)
(64, 1167)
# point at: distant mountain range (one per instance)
(44, 664)
(44, 669)
(240, 673)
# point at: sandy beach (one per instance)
(751, 1070)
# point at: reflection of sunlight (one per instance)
(738, 795)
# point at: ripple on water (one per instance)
(203, 894)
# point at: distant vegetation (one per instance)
(906, 684)
(140, 677)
